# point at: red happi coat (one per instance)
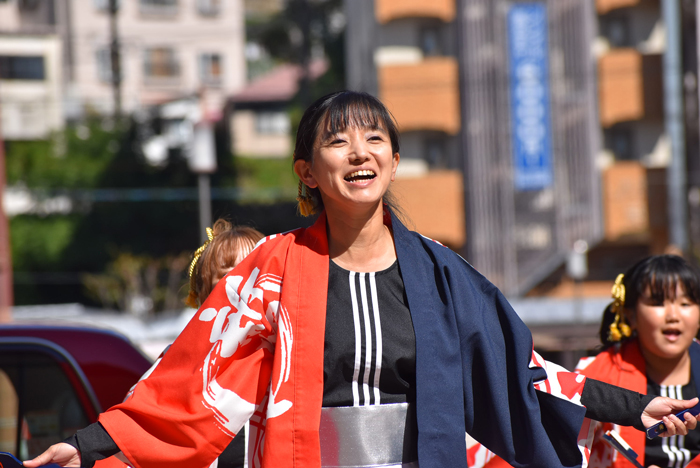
(254, 352)
(261, 363)
(625, 367)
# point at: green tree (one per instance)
(56, 255)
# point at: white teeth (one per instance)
(360, 174)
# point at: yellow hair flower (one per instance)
(618, 328)
(192, 295)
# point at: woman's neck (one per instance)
(360, 241)
(668, 371)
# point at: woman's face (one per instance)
(351, 168)
(666, 329)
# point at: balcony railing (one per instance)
(604, 6)
(424, 95)
(388, 10)
(630, 86)
(634, 204)
(436, 204)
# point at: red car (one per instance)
(55, 379)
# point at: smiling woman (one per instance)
(344, 123)
(358, 343)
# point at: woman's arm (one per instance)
(209, 383)
(608, 403)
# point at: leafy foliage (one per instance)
(74, 158)
(263, 173)
(300, 31)
(39, 242)
(140, 284)
(83, 256)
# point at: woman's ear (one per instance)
(395, 166)
(303, 171)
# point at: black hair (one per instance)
(334, 113)
(660, 276)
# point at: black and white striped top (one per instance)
(675, 451)
(370, 350)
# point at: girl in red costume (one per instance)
(648, 333)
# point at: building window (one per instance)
(103, 63)
(620, 142)
(431, 43)
(272, 123)
(210, 70)
(616, 29)
(28, 5)
(209, 7)
(161, 62)
(103, 5)
(435, 153)
(158, 7)
(18, 67)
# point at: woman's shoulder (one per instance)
(275, 239)
(457, 269)
(438, 248)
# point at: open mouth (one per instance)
(358, 176)
(671, 333)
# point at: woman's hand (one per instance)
(62, 454)
(663, 409)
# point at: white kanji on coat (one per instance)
(234, 326)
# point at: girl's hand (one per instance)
(61, 454)
(664, 409)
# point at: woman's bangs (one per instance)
(342, 115)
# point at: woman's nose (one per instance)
(359, 149)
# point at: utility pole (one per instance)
(676, 179)
(114, 55)
(303, 11)
(202, 161)
(6, 295)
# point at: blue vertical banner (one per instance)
(529, 92)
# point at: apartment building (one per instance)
(552, 113)
(30, 86)
(514, 121)
(31, 62)
(168, 49)
(404, 52)
(636, 148)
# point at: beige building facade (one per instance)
(169, 49)
(30, 86)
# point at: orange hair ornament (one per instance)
(306, 201)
